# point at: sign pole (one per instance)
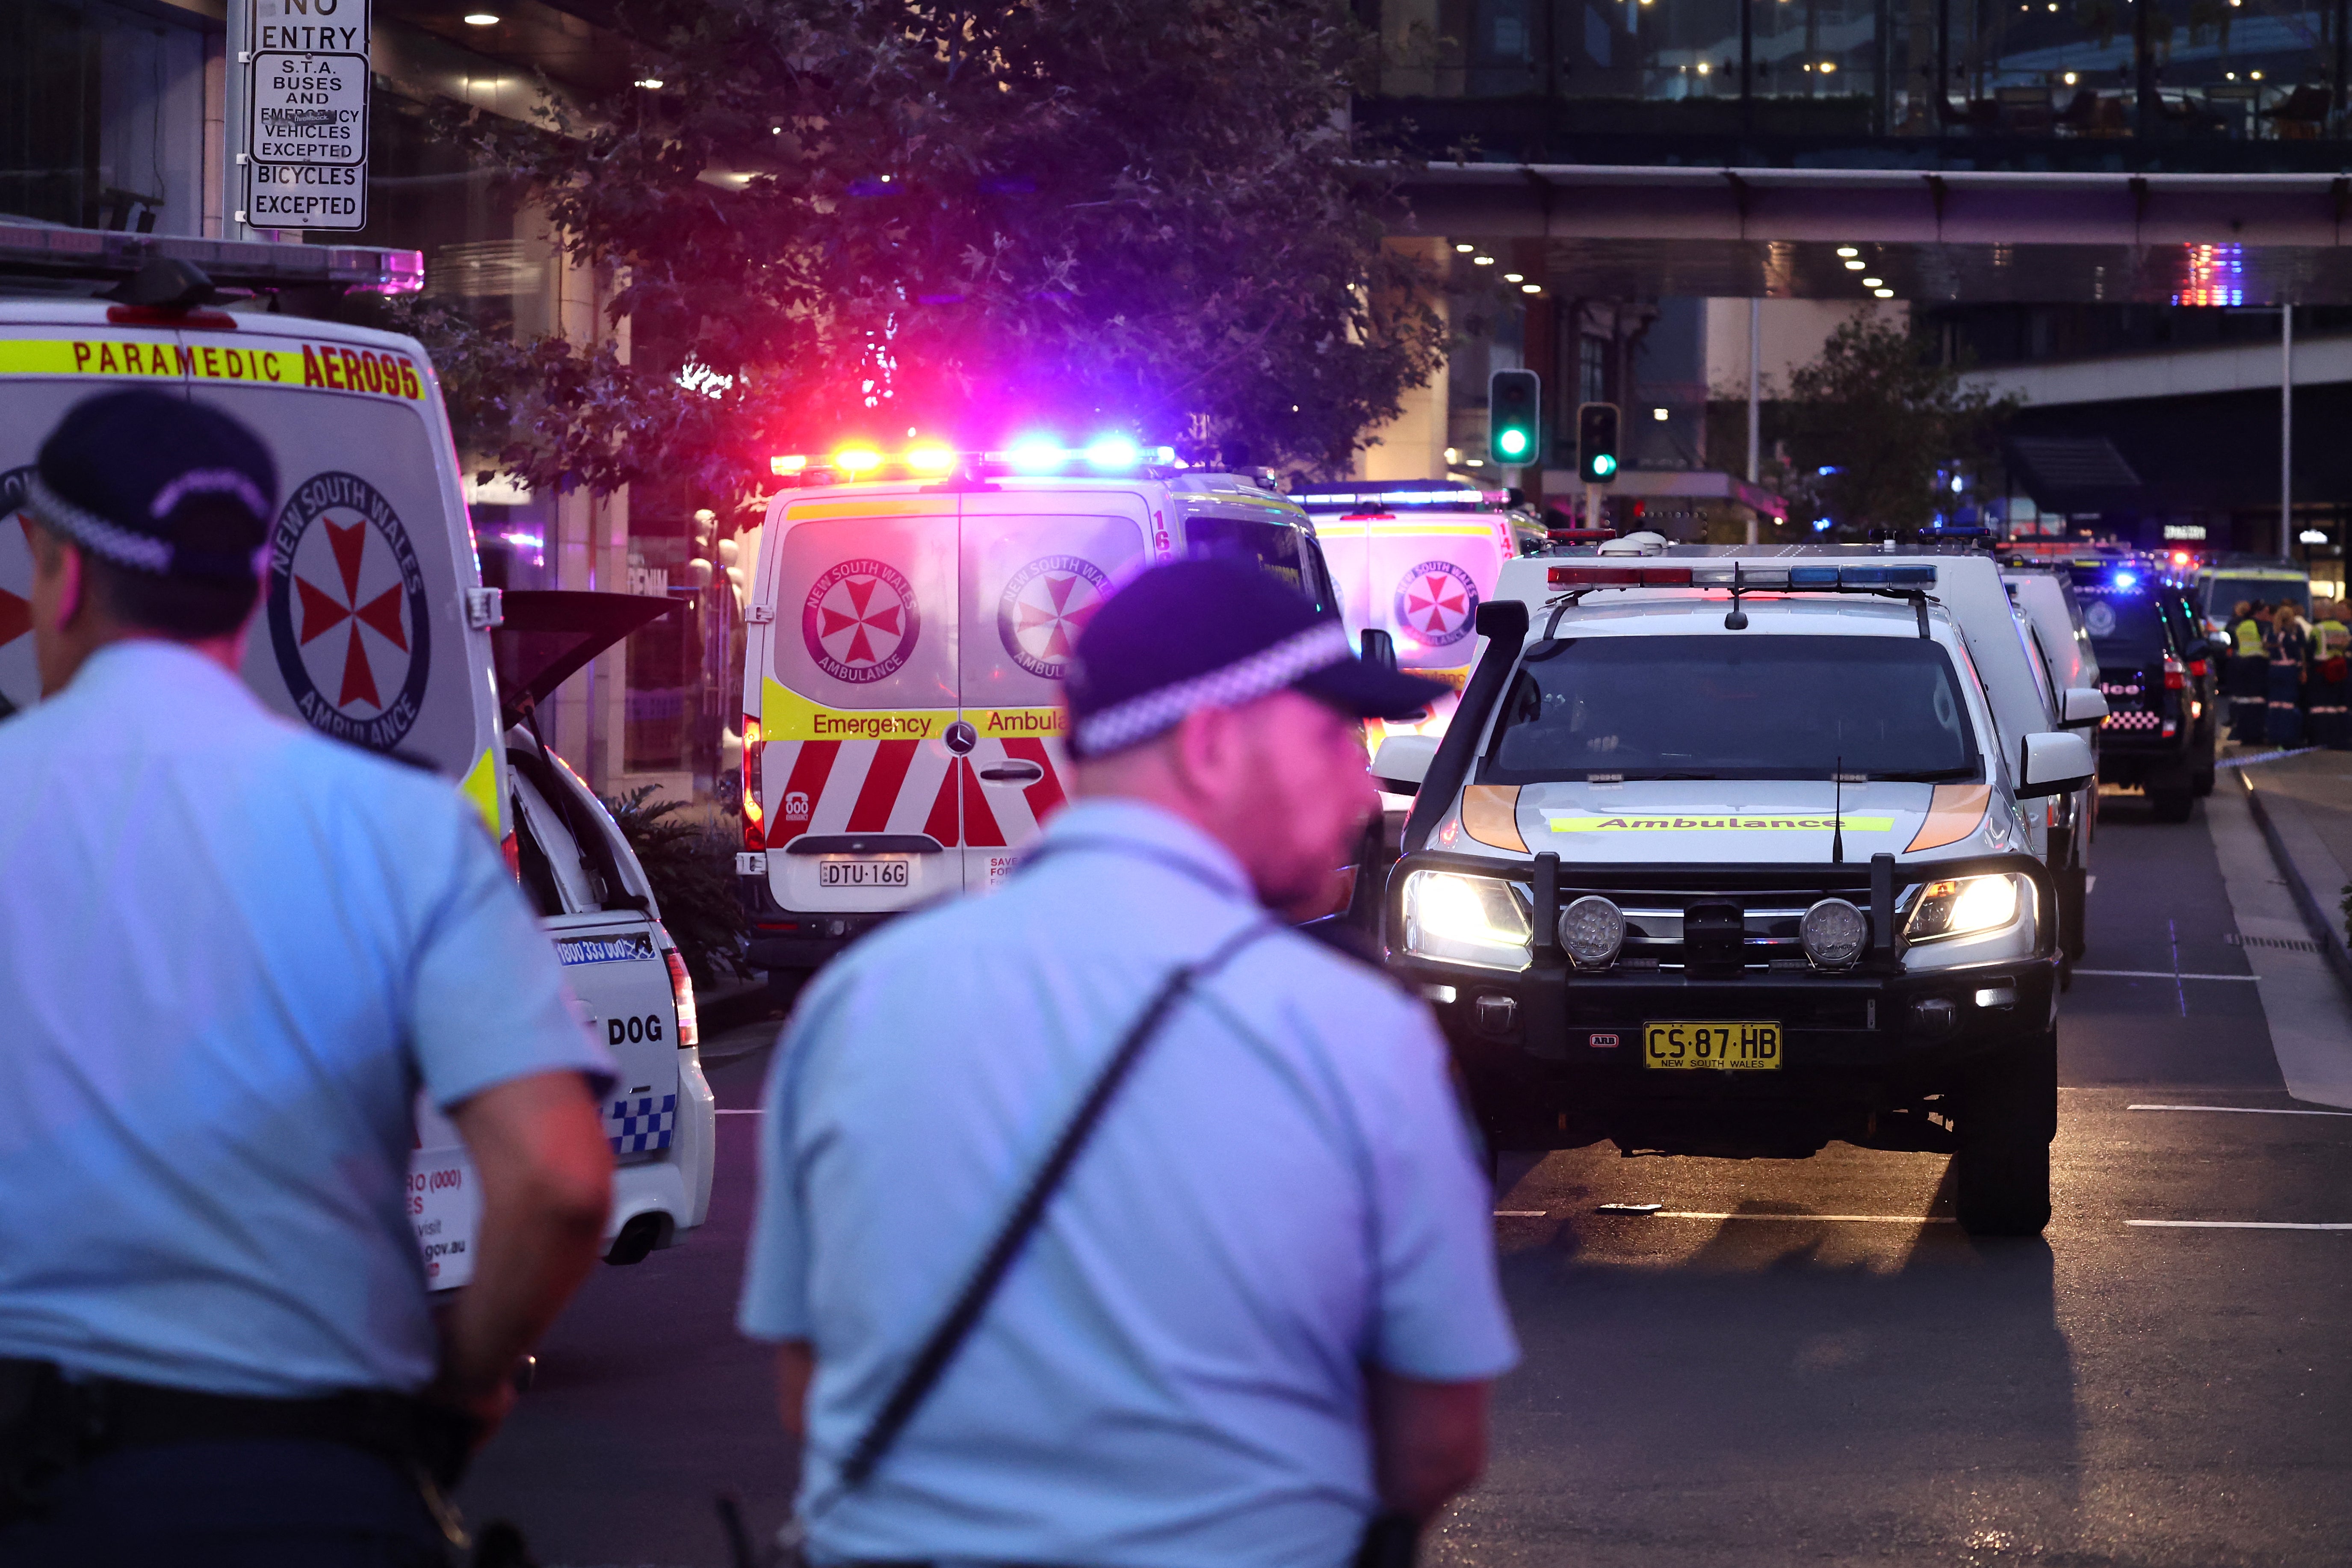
(235, 153)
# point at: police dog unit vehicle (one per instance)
(374, 629)
(912, 617)
(1726, 856)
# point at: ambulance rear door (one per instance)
(1036, 564)
(857, 691)
(1420, 578)
(366, 630)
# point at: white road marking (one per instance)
(753, 1111)
(1522, 1213)
(2159, 974)
(2243, 1110)
(2091, 883)
(2231, 1225)
(1815, 1218)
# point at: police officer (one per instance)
(2289, 646)
(2249, 673)
(2331, 640)
(230, 952)
(1262, 1308)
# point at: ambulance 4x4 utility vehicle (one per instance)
(376, 629)
(908, 634)
(1727, 855)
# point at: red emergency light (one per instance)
(1621, 576)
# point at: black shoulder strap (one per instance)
(923, 1374)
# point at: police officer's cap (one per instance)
(125, 475)
(1215, 633)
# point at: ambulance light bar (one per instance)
(1761, 575)
(932, 460)
(30, 251)
(1459, 498)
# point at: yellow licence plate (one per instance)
(1735, 1046)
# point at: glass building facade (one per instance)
(2193, 84)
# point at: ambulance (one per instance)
(1727, 854)
(912, 619)
(375, 628)
(1414, 560)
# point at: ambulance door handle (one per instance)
(1012, 773)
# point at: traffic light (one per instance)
(1596, 442)
(1513, 425)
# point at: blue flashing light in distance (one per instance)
(1823, 525)
(1036, 454)
(1113, 452)
(2127, 579)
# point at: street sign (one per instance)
(307, 196)
(308, 108)
(304, 125)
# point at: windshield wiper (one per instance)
(1653, 778)
(1925, 775)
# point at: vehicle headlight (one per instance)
(1592, 930)
(1961, 906)
(1833, 932)
(1466, 919)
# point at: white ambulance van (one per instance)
(375, 628)
(908, 636)
(1416, 560)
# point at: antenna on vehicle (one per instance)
(1737, 620)
(1837, 812)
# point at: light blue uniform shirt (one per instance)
(230, 949)
(1282, 1194)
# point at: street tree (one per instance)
(838, 218)
(1870, 423)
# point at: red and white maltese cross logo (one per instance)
(341, 604)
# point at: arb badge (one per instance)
(1437, 602)
(859, 621)
(348, 617)
(1044, 607)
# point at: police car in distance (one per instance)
(1727, 855)
(375, 628)
(2160, 675)
(911, 617)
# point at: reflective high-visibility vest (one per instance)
(2250, 638)
(2333, 636)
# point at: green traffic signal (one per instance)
(1596, 442)
(1514, 410)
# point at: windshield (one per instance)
(2224, 594)
(1288, 553)
(1733, 708)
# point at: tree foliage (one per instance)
(1883, 416)
(690, 866)
(851, 217)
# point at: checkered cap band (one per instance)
(2133, 719)
(94, 534)
(1245, 681)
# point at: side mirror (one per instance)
(2083, 705)
(1402, 761)
(1502, 620)
(2054, 763)
(1379, 649)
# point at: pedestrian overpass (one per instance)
(1931, 237)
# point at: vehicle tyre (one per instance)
(2203, 783)
(2172, 804)
(2009, 1114)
